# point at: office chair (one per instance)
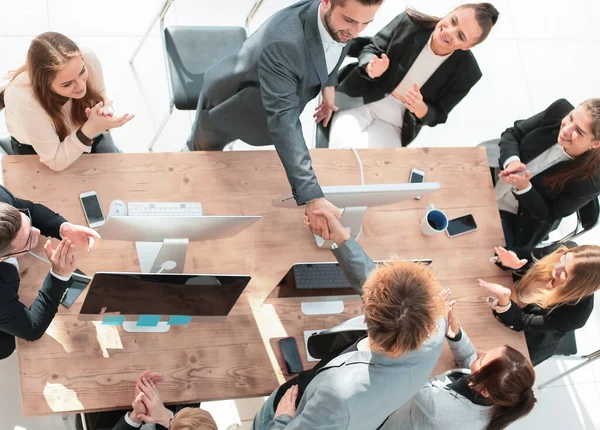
(188, 52)
(334, 341)
(5, 145)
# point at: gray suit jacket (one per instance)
(257, 94)
(437, 407)
(361, 389)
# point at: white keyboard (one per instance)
(164, 209)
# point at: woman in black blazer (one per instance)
(412, 73)
(553, 296)
(551, 165)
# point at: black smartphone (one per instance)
(290, 355)
(78, 284)
(461, 225)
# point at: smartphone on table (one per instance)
(416, 177)
(92, 209)
(290, 356)
(461, 225)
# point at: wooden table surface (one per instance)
(79, 365)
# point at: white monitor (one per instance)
(162, 241)
(353, 201)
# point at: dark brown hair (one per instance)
(362, 2)
(402, 306)
(486, 16)
(48, 53)
(509, 381)
(10, 224)
(193, 419)
(586, 165)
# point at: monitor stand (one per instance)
(322, 308)
(352, 219)
(132, 327)
(165, 257)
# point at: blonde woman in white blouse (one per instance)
(56, 104)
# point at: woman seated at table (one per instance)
(56, 104)
(555, 295)
(412, 73)
(495, 390)
(551, 165)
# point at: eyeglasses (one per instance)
(29, 240)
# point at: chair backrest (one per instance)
(335, 340)
(589, 214)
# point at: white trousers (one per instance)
(374, 125)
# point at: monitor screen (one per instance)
(163, 294)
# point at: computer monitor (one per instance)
(310, 284)
(172, 297)
(162, 241)
(353, 201)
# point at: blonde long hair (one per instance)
(48, 53)
(582, 281)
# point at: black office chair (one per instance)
(332, 342)
(5, 145)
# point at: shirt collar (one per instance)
(461, 386)
(325, 36)
(562, 151)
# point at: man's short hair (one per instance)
(193, 419)
(10, 224)
(402, 306)
(362, 2)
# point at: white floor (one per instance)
(539, 51)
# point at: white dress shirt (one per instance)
(332, 49)
(505, 198)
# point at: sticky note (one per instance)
(179, 320)
(113, 319)
(148, 320)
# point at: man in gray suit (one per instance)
(257, 94)
(357, 390)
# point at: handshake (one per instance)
(323, 219)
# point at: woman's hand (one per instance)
(377, 66)
(513, 167)
(453, 322)
(497, 290)
(413, 100)
(287, 404)
(519, 181)
(99, 122)
(508, 258)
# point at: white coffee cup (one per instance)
(434, 222)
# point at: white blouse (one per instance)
(28, 122)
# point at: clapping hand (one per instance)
(155, 409)
(377, 66)
(508, 258)
(519, 181)
(62, 259)
(80, 235)
(287, 404)
(100, 120)
(413, 100)
(325, 110)
(513, 167)
(453, 322)
(500, 293)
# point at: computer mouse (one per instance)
(117, 207)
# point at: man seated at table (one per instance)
(403, 309)
(21, 223)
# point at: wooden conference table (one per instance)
(80, 366)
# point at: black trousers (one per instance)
(509, 226)
(102, 144)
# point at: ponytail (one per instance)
(502, 416)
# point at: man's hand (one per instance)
(138, 409)
(150, 376)
(327, 107)
(413, 100)
(513, 167)
(80, 235)
(377, 66)
(453, 323)
(62, 258)
(509, 258)
(318, 223)
(156, 411)
(337, 232)
(287, 404)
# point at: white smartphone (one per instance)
(461, 225)
(416, 177)
(92, 209)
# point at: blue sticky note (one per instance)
(113, 319)
(179, 320)
(148, 320)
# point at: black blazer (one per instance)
(15, 318)
(122, 425)
(403, 40)
(541, 207)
